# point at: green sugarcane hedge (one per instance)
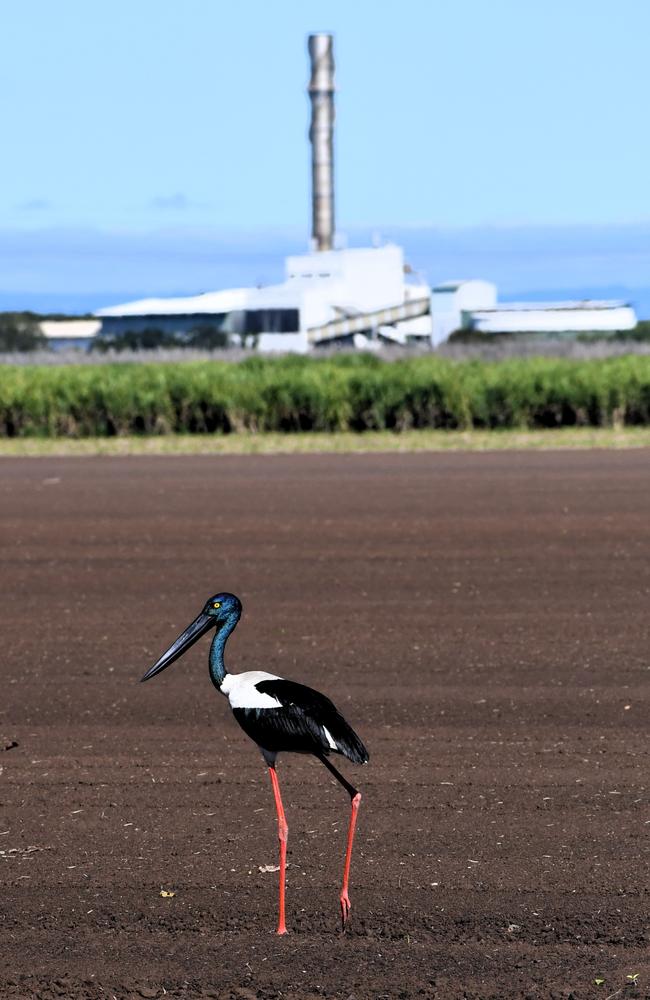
(348, 392)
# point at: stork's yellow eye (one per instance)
(217, 604)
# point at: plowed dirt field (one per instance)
(483, 622)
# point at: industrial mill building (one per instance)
(360, 297)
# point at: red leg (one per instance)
(355, 798)
(283, 832)
(346, 905)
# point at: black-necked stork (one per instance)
(278, 715)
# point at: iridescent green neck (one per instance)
(217, 665)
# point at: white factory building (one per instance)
(473, 305)
(362, 298)
(358, 296)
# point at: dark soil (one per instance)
(482, 620)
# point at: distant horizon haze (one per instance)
(80, 270)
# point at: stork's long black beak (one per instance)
(186, 639)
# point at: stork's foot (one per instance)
(281, 929)
(346, 907)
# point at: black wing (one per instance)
(304, 717)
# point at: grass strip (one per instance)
(337, 443)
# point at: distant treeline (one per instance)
(297, 393)
(21, 331)
(204, 335)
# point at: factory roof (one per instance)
(448, 286)
(286, 295)
(578, 304)
(453, 286)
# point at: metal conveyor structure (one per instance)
(368, 321)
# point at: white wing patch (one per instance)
(242, 692)
(328, 737)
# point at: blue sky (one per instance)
(154, 146)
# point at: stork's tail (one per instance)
(348, 743)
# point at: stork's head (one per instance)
(218, 611)
(222, 607)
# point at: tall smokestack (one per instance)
(321, 135)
